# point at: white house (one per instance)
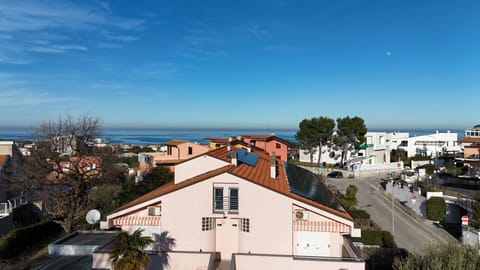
(248, 208)
(432, 144)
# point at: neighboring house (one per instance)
(432, 144)
(249, 207)
(471, 147)
(330, 155)
(10, 168)
(270, 143)
(176, 151)
(217, 142)
(65, 144)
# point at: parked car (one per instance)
(335, 174)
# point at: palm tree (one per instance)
(128, 251)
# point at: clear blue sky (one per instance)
(264, 63)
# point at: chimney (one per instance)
(249, 149)
(234, 158)
(273, 166)
(228, 146)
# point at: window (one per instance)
(245, 224)
(278, 146)
(233, 205)
(207, 223)
(218, 199)
(190, 150)
(169, 150)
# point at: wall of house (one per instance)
(252, 261)
(326, 157)
(433, 145)
(196, 166)
(281, 152)
(270, 223)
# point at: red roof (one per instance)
(470, 140)
(217, 140)
(258, 174)
(261, 137)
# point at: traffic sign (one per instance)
(464, 220)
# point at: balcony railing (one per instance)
(223, 204)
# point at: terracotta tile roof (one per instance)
(217, 140)
(170, 187)
(260, 174)
(470, 140)
(175, 142)
(260, 137)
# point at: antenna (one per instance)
(93, 217)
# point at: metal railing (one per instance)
(7, 207)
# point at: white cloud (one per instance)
(54, 26)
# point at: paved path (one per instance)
(411, 232)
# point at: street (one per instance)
(410, 231)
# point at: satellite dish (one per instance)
(93, 216)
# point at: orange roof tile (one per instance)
(470, 140)
(175, 142)
(217, 140)
(259, 174)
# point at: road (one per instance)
(411, 232)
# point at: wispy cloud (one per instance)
(54, 26)
(25, 97)
(201, 42)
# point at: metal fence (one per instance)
(7, 207)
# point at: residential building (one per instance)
(331, 154)
(215, 143)
(270, 143)
(176, 151)
(431, 145)
(251, 209)
(10, 168)
(471, 147)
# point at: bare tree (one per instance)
(63, 168)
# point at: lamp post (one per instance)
(393, 208)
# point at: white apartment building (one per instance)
(432, 144)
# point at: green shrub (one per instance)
(436, 208)
(387, 240)
(359, 214)
(376, 238)
(27, 239)
(446, 256)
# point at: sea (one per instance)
(145, 136)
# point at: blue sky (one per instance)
(245, 64)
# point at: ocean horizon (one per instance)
(146, 136)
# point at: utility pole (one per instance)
(393, 208)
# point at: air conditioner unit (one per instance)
(301, 215)
(154, 211)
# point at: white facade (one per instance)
(330, 155)
(432, 144)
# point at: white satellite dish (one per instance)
(93, 216)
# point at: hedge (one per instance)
(377, 238)
(27, 239)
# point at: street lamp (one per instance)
(393, 208)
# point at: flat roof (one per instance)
(68, 262)
(88, 238)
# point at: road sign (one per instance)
(464, 220)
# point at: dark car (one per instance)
(335, 174)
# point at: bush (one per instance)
(376, 238)
(359, 214)
(387, 240)
(27, 239)
(447, 256)
(436, 208)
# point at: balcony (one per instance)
(225, 204)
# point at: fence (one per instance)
(7, 207)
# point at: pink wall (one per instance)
(180, 152)
(246, 261)
(271, 146)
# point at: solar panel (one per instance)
(306, 184)
(243, 156)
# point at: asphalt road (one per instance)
(410, 231)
